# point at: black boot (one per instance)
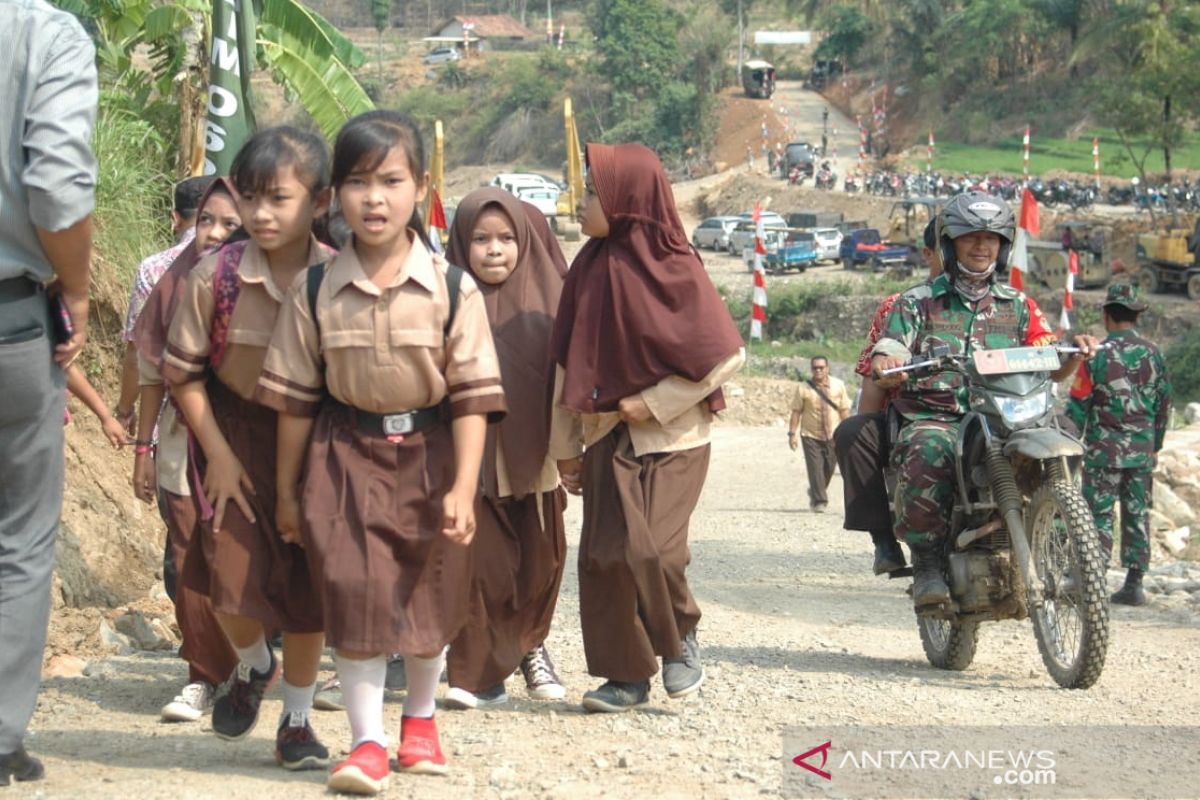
(888, 554)
(1131, 594)
(929, 587)
(19, 765)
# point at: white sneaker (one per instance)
(541, 680)
(190, 704)
(462, 700)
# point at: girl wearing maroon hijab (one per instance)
(520, 542)
(642, 343)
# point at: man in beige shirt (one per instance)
(819, 405)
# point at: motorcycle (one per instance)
(826, 178)
(1022, 542)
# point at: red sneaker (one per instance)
(364, 772)
(419, 751)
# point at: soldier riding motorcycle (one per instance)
(980, 467)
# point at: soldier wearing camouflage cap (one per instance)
(1120, 400)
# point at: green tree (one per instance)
(381, 11)
(637, 43)
(847, 29)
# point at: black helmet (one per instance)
(975, 211)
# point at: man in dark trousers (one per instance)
(1121, 401)
(821, 402)
(47, 111)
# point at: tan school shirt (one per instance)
(681, 419)
(171, 455)
(250, 325)
(384, 350)
(817, 419)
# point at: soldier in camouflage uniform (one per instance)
(966, 309)
(1120, 401)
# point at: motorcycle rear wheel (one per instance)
(948, 645)
(1072, 624)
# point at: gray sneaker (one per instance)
(396, 676)
(684, 675)
(616, 696)
(329, 696)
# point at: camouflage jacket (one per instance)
(1120, 400)
(1005, 317)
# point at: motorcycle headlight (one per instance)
(1022, 409)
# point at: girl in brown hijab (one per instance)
(520, 542)
(642, 343)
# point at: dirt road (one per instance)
(795, 632)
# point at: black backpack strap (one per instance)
(454, 276)
(316, 274)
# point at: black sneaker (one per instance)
(541, 680)
(235, 713)
(684, 674)
(396, 677)
(616, 696)
(21, 766)
(296, 746)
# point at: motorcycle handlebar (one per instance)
(1065, 349)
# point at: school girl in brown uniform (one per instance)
(520, 542)
(164, 465)
(255, 575)
(387, 364)
(643, 343)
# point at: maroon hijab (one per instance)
(153, 324)
(521, 312)
(637, 306)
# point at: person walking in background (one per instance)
(1121, 401)
(183, 225)
(820, 404)
(47, 192)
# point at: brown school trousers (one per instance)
(518, 570)
(634, 601)
(209, 656)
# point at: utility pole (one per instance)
(741, 41)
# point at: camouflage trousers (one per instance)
(924, 460)
(1103, 489)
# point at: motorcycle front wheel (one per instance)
(948, 645)
(1072, 623)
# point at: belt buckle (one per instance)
(398, 424)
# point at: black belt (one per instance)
(401, 424)
(14, 289)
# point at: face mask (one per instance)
(973, 286)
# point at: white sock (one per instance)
(297, 699)
(362, 694)
(423, 675)
(257, 655)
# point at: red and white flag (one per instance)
(758, 303)
(437, 221)
(1027, 226)
(1064, 321)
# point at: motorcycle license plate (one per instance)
(1016, 359)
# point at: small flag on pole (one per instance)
(437, 221)
(1026, 144)
(1064, 321)
(1027, 226)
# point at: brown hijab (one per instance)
(637, 306)
(153, 324)
(521, 311)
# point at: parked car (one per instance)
(741, 238)
(440, 55)
(769, 218)
(511, 181)
(713, 232)
(829, 243)
(801, 156)
(544, 198)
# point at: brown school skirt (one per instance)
(372, 517)
(634, 601)
(204, 647)
(245, 568)
(518, 570)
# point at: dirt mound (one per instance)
(742, 191)
(740, 128)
